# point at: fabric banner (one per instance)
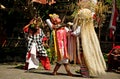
(113, 21)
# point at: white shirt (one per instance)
(77, 31)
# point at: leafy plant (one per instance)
(110, 2)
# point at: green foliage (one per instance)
(110, 2)
(105, 56)
(118, 3)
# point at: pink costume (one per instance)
(62, 45)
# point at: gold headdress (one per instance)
(84, 15)
(36, 22)
(53, 15)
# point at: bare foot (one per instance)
(54, 73)
(70, 74)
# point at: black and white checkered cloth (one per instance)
(37, 39)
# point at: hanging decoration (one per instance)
(50, 2)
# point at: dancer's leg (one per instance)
(56, 68)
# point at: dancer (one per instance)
(60, 42)
(35, 48)
(92, 57)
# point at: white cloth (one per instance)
(67, 29)
(94, 1)
(49, 23)
(63, 61)
(77, 31)
(33, 61)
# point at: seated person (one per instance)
(114, 59)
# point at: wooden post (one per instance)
(113, 40)
(99, 33)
